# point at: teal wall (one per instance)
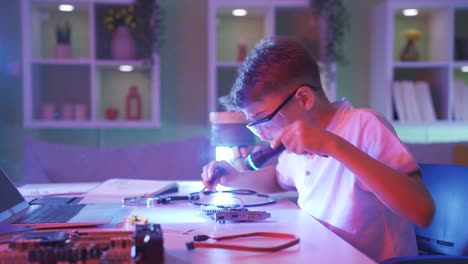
(11, 130)
(353, 74)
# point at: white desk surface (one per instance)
(317, 245)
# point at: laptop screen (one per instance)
(11, 200)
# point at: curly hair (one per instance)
(272, 65)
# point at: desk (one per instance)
(317, 245)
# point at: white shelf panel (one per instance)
(460, 63)
(123, 2)
(61, 61)
(229, 64)
(432, 133)
(116, 63)
(420, 64)
(439, 124)
(92, 124)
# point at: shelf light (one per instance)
(410, 12)
(239, 12)
(464, 68)
(66, 8)
(125, 68)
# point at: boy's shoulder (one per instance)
(361, 117)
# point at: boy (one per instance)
(351, 171)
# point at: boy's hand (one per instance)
(301, 138)
(217, 171)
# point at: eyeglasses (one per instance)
(263, 123)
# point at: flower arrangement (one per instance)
(116, 17)
(411, 34)
(410, 51)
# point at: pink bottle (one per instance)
(133, 104)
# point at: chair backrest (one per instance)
(427, 259)
(448, 233)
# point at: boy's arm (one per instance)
(404, 194)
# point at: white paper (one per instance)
(127, 187)
(57, 188)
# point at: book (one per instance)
(399, 101)
(464, 102)
(460, 99)
(410, 101)
(424, 101)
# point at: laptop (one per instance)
(16, 210)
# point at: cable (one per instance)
(198, 244)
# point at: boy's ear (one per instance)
(306, 98)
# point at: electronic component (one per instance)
(47, 238)
(233, 213)
(143, 246)
(148, 246)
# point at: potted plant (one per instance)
(63, 38)
(337, 22)
(149, 29)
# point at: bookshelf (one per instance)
(264, 18)
(443, 51)
(81, 82)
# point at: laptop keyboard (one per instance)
(51, 214)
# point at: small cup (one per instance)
(67, 112)
(48, 112)
(80, 112)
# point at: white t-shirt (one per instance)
(334, 195)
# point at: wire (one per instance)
(197, 244)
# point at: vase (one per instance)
(122, 44)
(409, 52)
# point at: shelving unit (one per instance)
(79, 89)
(264, 18)
(442, 24)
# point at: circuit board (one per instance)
(144, 245)
(233, 213)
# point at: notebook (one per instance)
(14, 208)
